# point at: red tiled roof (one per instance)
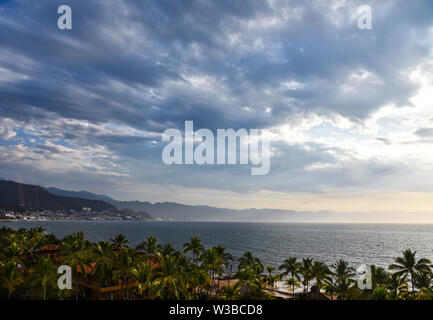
(87, 269)
(50, 247)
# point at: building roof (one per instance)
(50, 247)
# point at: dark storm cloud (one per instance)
(146, 44)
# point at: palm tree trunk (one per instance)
(45, 291)
(413, 284)
(213, 281)
(218, 287)
(293, 287)
(125, 281)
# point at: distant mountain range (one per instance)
(182, 212)
(14, 194)
(80, 194)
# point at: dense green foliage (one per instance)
(159, 271)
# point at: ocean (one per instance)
(360, 244)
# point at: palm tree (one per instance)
(339, 286)
(380, 293)
(319, 271)
(342, 270)
(379, 276)
(292, 267)
(119, 241)
(103, 257)
(408, 265)
(199, 280)
(249, 273)
(10, 277)
(230, 292)
(270, 269)
(424, 294)
(225, 258)
(43, 273)
(193, 246)
(149, 247)
(306, 272)
(396, 284)
(76, 255)
(143, 276)
(166, 249)
(342, 281)
(270, 279)
(169, 281)
(250, 279)
(423, 280)
(125, 261)
(330, 285)
(213, 262)
(248, 260)
(15, 245)
(35, 237)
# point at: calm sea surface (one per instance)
(360, 244)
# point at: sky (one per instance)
(349, 111)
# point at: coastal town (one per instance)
(32, 214)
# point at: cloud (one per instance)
(384, 140)
(424, 132)
(101, 94)
(244, 55)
